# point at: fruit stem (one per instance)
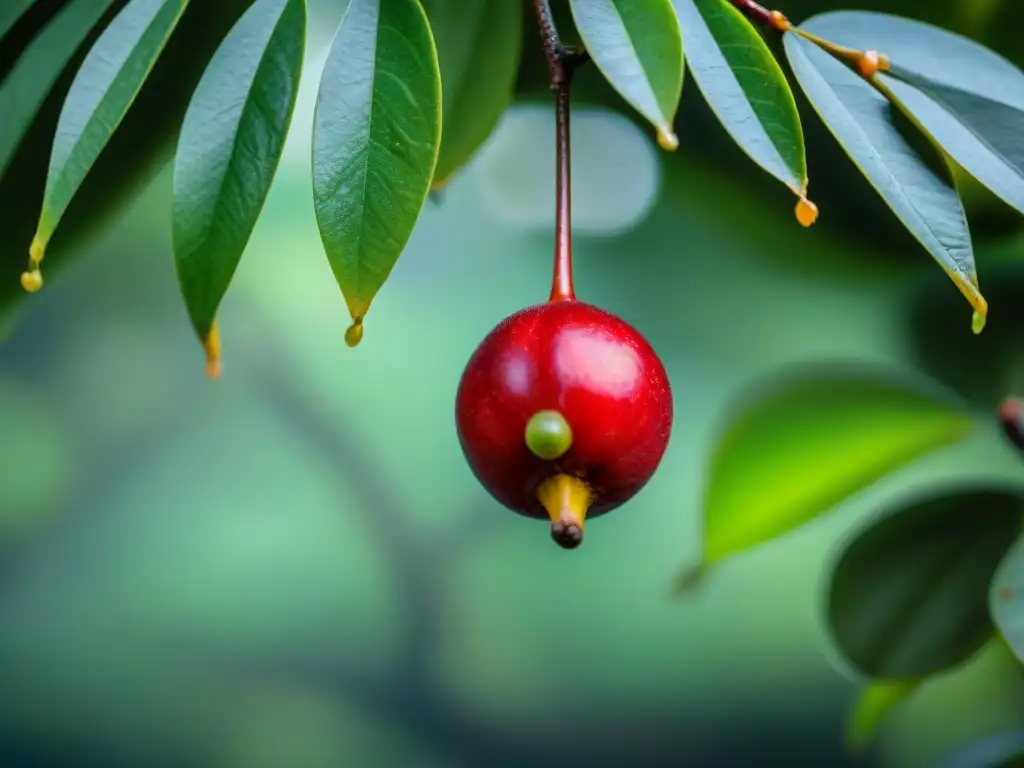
(566, 499)
(562, 65)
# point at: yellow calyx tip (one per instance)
(806, 212)
(667, 140)
(32, 280)
(211, 345)
(978, 321)
(354, 334)
(567, 499)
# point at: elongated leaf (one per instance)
(745, 87)
(1006, 599)
(903, 166)
(479, 43)
(376, 133)
(908, 596)
(983, 136)
(638, 47)
(801, 447)
(10, 12)
(967, 97)
(24, 90)
(229, 149)
(104, 88)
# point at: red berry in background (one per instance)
(564, 412)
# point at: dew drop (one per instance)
(32, 281)
(806, 212)
(354, 334)
(667, 140)
(978, 321)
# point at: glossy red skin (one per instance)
(597, 371)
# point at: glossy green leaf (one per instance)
(967, 97)
(745, 87)
(229, 149)
(103, 90)
(24, 90)
(478, 48)
(801, 447)
(638, 47)
(376, 134)
(1006, 599)
(909, 594)
(11, 11)
(902, 164)
(873, 705)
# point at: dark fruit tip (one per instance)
(566, 535)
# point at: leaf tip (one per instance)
(806, 212)
(667, 138)
(211, 345)
(354, 333)
(37, 250)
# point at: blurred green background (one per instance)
(293, 566)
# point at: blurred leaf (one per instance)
(795, 452)
(478, 49)
(38, 458)
(908, 596)
(10, 12)
(103, 90)
(902, 164)
(967, 97)
(745, 87)
(1003, 750)
(874, 703)
(229, 149)
(376, 133)
(24, 90)
(638, 47)
(1006, 599)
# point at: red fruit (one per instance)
(602, 376)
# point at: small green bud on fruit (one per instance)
(548, 435)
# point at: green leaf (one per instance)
(24, 90)
(10, 12)
(908, 596)
(968, 98)
(479, 43)
(902, 164)
(803, 446)
(638, 47)
(229, 149)
(376, 133)
(1006, 599)
(874, 703)
(745, 87)
(103, 90)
